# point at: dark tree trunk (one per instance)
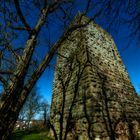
(9, 112)
(7, 126)
(7, 122)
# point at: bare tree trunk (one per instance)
(8, 116)
(7, 127)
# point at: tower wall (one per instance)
(93, 97)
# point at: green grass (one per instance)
(34, 137)
(30, 135)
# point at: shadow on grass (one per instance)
(30, 135)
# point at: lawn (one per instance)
(30, 135)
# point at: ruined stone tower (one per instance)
(93, 97)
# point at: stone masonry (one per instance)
(93, 97)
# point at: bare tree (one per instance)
(25, 21)
(31, 107)
(45, 113)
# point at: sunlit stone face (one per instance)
(92, 92)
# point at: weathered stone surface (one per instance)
(92, 92)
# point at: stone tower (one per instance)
(93, 97)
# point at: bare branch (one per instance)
(9, 61)
(4, 82)
(87, 7)
(6, 72)
(20, 14)
(9, 47)
(57, 3)
(31, 43)
(19, 28)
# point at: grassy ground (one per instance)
(30, 135)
